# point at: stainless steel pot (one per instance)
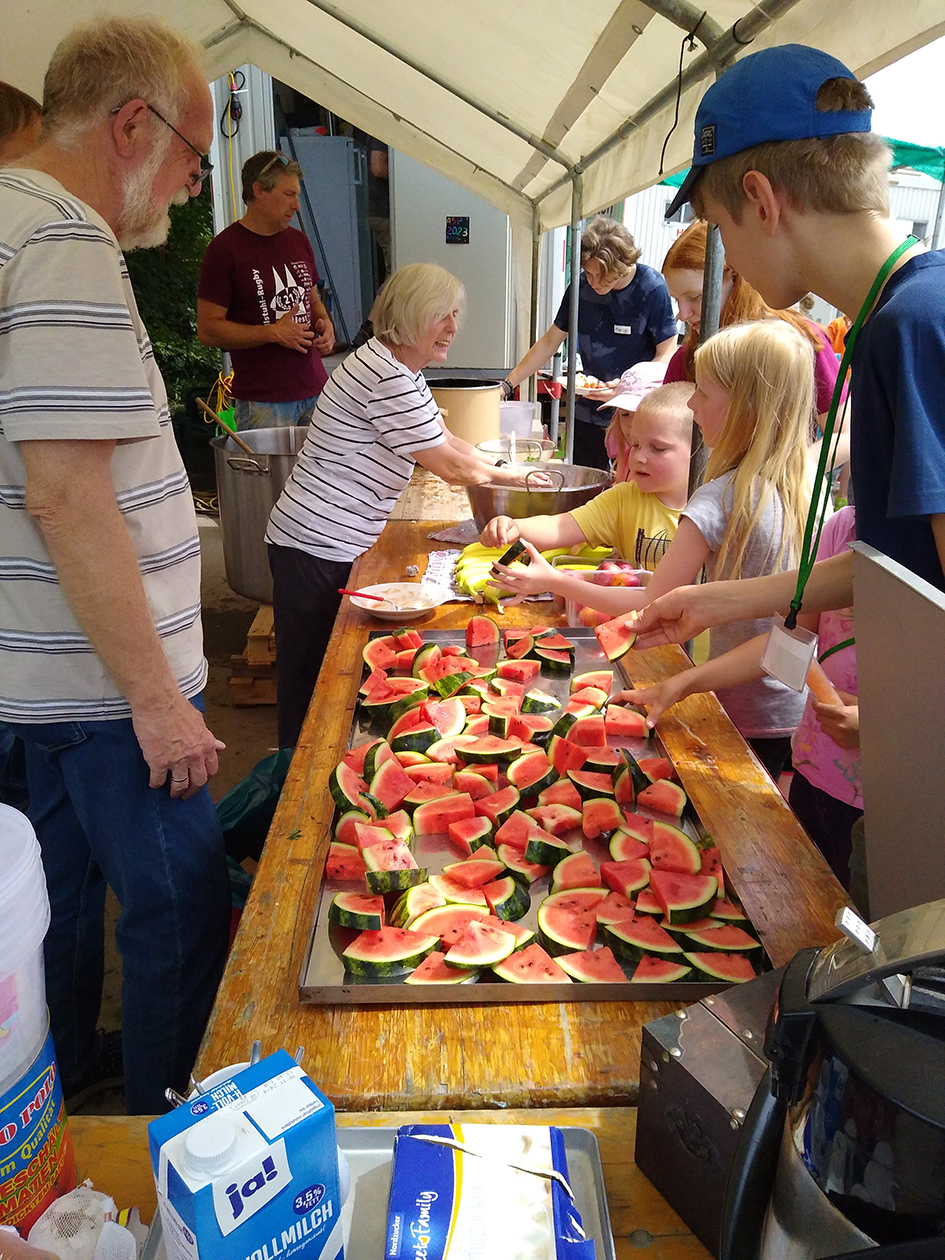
(574, 485)
(247, 489)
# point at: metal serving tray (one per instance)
(324, 978)
(370, 1154)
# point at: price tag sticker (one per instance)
(788, 654)
(851, 925)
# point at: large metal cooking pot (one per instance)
(247, 489)
(574, 485)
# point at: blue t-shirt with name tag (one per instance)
(618, 329)
(898, 417)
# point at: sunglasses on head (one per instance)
(280, 158)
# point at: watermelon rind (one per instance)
(543, 849)
(633, 938)
(537, 701)
(357, 910)
(722, 938)
(374, 758)
(651, 970)
(592, 783)
(387, 951)
(346, 787)
(393, 881)
(531, 774)
(531, 965)
(436, 970)
(721, 968)
(519, 865)
(683, 898)
(415, 901)
(417, 739)
(593, 966)
(481, 946)
(508, 898)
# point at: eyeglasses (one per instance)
(206, 166)
(281, 158)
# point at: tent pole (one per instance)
(708, 325)
(939, 207)
(577, 198)
(533, 302)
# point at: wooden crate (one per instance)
(253, 677)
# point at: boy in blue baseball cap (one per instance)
(786, 165)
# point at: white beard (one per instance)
(143, 225)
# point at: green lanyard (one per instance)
(819, 498)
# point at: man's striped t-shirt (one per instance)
(76, 363)
(357, 456)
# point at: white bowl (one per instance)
(414, 599)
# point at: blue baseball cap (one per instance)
(768, 95)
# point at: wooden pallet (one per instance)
(253, 680)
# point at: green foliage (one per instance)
(165, 285)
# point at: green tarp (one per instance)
(918, 156)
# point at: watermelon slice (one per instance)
(518, 671)
(391, 783)
(638, 936)
(576, 871)
(448, 716)
(553, 661)
(421, 793)
(594, 696)
(473, 873)
(436, 970)
(672, 850)
(589, 732)
(520, 648)
(515, 830)
(623, 787)
(508, 898)
(430, 772)
(712, 865)
(482, 631)
(557, 642)
(448, 923)
(683, 898)
(728, 911)
(368, 834)
(561, 793)
(379, 653)
(455, 893)
(624, 723)
(515, 860)
(531, 774)
(724, 968)
(523, 935)
(387, 951)
(601, 817)
(537, 701)
(617, 637)
(427, 655)
(498, 807)
(358, 910)
(414, 902)
(664, 797)
(624, 847)
(626, 877)
(724, 937)
(435, 816)
(344, 827)
(563, 931)
(346, 787)
(531, 965)
(602, 679)
(470, 834)
(545, 849)
(603, 761)
(491, 748)
(480, 946)
(531, 727)
(478, 724)
(659, 971)
(590, 783)
(593, 966)
(655, 768)
(354, 757)
(638, 826)
(391, 867)
(344, 863)
(646, 903)
(565, 756)
(407, 637)
(555, 819)
(615, 908)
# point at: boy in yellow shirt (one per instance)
(659, 434)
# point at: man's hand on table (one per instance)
(288, 332)
(174, 739)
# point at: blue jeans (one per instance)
(272, 415)
(99, 824)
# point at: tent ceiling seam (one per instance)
(249, 23)
(331, 10)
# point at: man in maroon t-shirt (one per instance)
(257, 299)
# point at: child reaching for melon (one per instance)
(825, 790)
(754, 401)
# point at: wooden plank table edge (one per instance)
(113, 1152)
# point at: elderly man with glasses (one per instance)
(101, 650)
(257, 299)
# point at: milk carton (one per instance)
(249, 1170)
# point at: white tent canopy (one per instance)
(521, 101)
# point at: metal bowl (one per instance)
(574, 485)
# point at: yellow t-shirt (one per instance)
(615, 518)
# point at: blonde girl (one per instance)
(753, 403)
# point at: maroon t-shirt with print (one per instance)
(258, 279)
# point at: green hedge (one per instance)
(165, 285)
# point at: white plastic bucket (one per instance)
(517, 418)
(24, 919)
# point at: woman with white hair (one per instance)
(374, 420)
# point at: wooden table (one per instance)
(566, 1054)
(113, 1151)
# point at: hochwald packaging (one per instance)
(490, 1204)
(249, 1170)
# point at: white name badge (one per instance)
(788, 654)
(625, 330)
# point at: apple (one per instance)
(608, 566)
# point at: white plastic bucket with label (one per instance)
(24, 919)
